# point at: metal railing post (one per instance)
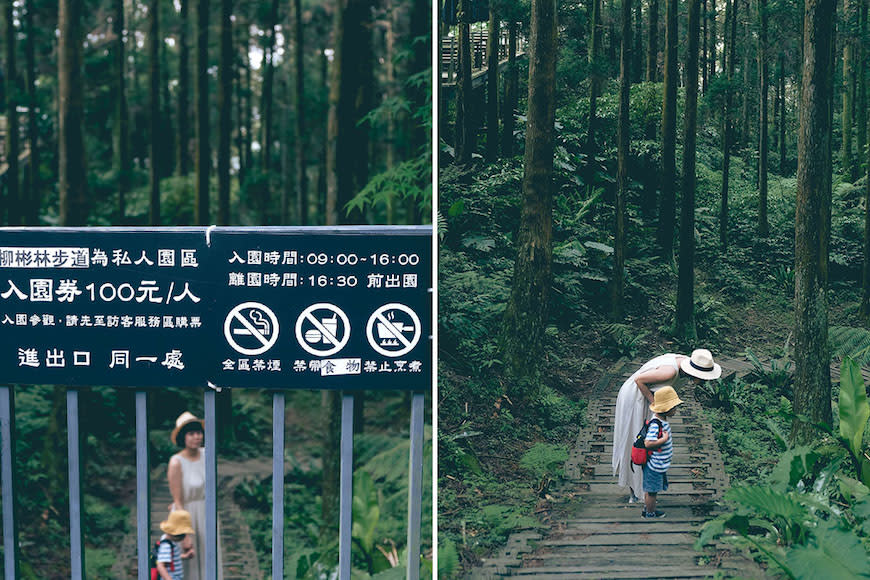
(7, 470)
(415, 487)
(74, 451)
(346, 488)
(211, 539)
(278, 405)
(143, 487)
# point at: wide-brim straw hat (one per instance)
(185, 418)
(177, 523)
(701, 365)
(665, 399)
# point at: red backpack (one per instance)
(154, 574)
(639, 453)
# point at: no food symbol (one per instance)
(251, 328)
(322, 329)
(393, 330)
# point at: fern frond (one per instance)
(850, 341)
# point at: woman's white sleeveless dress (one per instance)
(632, 409)
(193, 495)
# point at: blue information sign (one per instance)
(238, 307)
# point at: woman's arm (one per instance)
(175, 477)
(653, 376)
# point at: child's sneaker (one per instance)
(652, 515)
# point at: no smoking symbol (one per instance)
(393, 330)
(322, 329)
(251, 328)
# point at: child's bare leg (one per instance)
(650, 502)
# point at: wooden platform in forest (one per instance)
(598, 534)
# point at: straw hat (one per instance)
(701, 365)
(185, 418)
(665, 399)
(177, 523)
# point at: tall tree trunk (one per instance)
(526, 312)
(861, 82)
(652, 53)
(763, 228)
(240, 109)
(727, 121)
(34, 200)
(511, 90)
(249, 108)
(594, 84)
(704, 32)
(72, 186)
(812, 381)
(848, 87)
(300, 182)
(637, 46)
(685, 320)
(747, 78)
(492, 84)
(782, 117)
(464, 129)
(623, 137)
(669, 135)
(122, 114)
(13, 96)
(268, 82)
(182, 162)
(203, 149)
(155, 154)
(713, 38)
(225, 113)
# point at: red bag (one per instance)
(639, 453)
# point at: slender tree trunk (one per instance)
(526, 312)
(669, 135)
(623, 138)
(249, 109)
(203, 149)
(239, 103)
(594, 84)
(713, 38)
(13, 96)
(685, 320)
(727, 121)
(183, 147)
(464, 119)
(652, 53)
(492, 84)
(34, 200)
(224, 105)
(747, 78)
(300, 182)
(72, 186)
(763, 228)
(812, 385)
(155, 155)
(268, 82)
(637, 46)
(848, 87)
(511, 90)
(782, 118)
(122, 115)
(704, 32)
(861, 82)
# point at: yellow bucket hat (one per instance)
(665, 399)
(178, 523)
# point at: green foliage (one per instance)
(621, 340)
(725, 393)
(779, 377)
(854, 412)
(851, 341)
(448, 559)
(555, 410)
(544, 460)
(501, 520)
(409, 182)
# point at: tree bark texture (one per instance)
(492, 84)
(300, 182)
(203, 148)
(637, 45)
(861, 83)
(685, 319)
(703, 42)
(72, 186)
(713, 38)
(652, 52)
(727, 121)
(14, 203)
(763, 227)
(155, 154)
(511, 90)
(669, 135)
(182, 162)
(594, 83)
(526, 313)
(464, 95)
(224, 105)
(812, 382)
(848, 34)
(623, 138)
(122, 114)
(34, 199)
(747, 76)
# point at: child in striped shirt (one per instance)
(169, 553)
(655, 472)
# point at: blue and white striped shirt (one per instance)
(660, 460)
(169, 553)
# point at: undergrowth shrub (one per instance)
(544, 460)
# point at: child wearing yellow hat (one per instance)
(655, 472)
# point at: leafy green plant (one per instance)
(783, 277)
(850, 341)
(722, 394)
(854, 412)
(621, 339)
(544, 460)
(778, 378)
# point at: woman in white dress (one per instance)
(637, 393)
(186, 475)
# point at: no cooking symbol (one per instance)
(322, 329)
(393, 330)
(251, 328)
